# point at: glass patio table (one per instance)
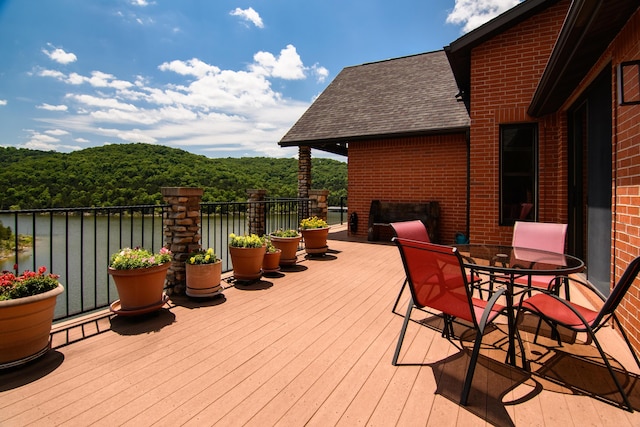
(504, 264)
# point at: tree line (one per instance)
(132, 174)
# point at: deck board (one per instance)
(309, 346)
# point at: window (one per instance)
(629, 83)
(518, 172)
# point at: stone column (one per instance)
(319, 203)
(256, 211)
(304, 178)
(181, 231)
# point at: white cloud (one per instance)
(192, 67)
(235, 111)
(42, 138)
(95, 101)
(60, 56)
(249, 15)
(52, 73)
(287, 66)
(97, 79)
(3, 102)
(41, 141)
(321, 72)
(141, 3)
(474, 13)
(56, 132)
(49, 107)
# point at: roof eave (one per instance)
(562, 73)
(340, 145)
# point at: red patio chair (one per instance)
(557, 311)
(415, 230)
(543, 236)
(412, 230)
(437, 280)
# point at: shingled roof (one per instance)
(413, 95)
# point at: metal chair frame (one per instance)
(582, 318)
(441, 257)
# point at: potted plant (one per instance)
(247, 254)
(314, 232)
(287, 241)
(271, 260)
(203, 273)
(27, 306)
(139, 276)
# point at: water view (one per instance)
(78, 247)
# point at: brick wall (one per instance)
(626, 165)
(420, 169)
(504, 74)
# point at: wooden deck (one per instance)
(312, 346)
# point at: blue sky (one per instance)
(221, 78)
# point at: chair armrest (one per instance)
(557, 281)
(489, 307)
(467, 259)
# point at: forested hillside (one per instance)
(128, 174)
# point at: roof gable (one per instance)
(404, 96)
(589, 27)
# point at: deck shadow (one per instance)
(325, 257)
(256, 285)
(296, 268)
(587, 374)
(142, 324)
(30, 372)
(198, 302)
(492, 388)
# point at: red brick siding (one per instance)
(504, 74)
(626, 165)
(419, 169)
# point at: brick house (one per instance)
(534, 115)
(406, 134)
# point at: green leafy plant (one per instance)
(27, 284)
(202, 256)
(285, 233)
(313, 222)
(128, 259)
(270, 247)
(246, 241)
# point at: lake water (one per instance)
(78, 248)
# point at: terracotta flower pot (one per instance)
(140, 289)
(25, 326)
(271, 261)
(289, 248)
(247, 262)
(203, 280)
(315, 240)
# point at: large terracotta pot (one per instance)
(315, 240)
(25, 326)
(271, 261)
(140, 289)
(289, 248)
(247, 262)
(203, 280)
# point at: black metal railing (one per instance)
(76, 243)
(218, 220)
